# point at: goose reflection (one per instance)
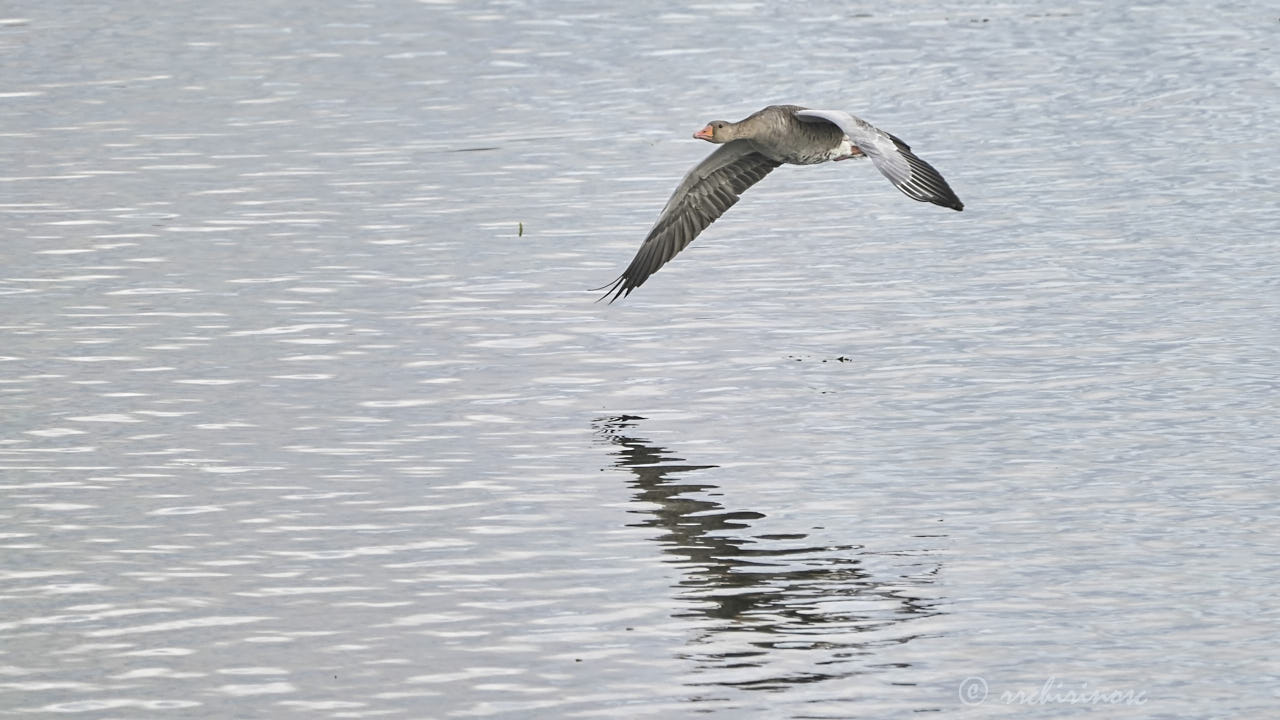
(775, 610)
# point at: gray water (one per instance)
(307, 411)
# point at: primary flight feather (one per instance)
(749, 150)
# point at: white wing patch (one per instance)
(892, 157)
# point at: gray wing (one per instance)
(707, 191)
(892, 157)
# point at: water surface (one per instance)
(307, 410)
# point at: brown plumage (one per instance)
(749, 150)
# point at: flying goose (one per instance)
(749, 150)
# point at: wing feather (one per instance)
(707, 191)
(892, 157)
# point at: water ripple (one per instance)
(309, 408)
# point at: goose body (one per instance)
(750, 149)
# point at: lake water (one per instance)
(307, 410)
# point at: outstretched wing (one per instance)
(707, 191)
(892, 157)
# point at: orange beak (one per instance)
(704, 134)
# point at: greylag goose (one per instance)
(749, 150)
